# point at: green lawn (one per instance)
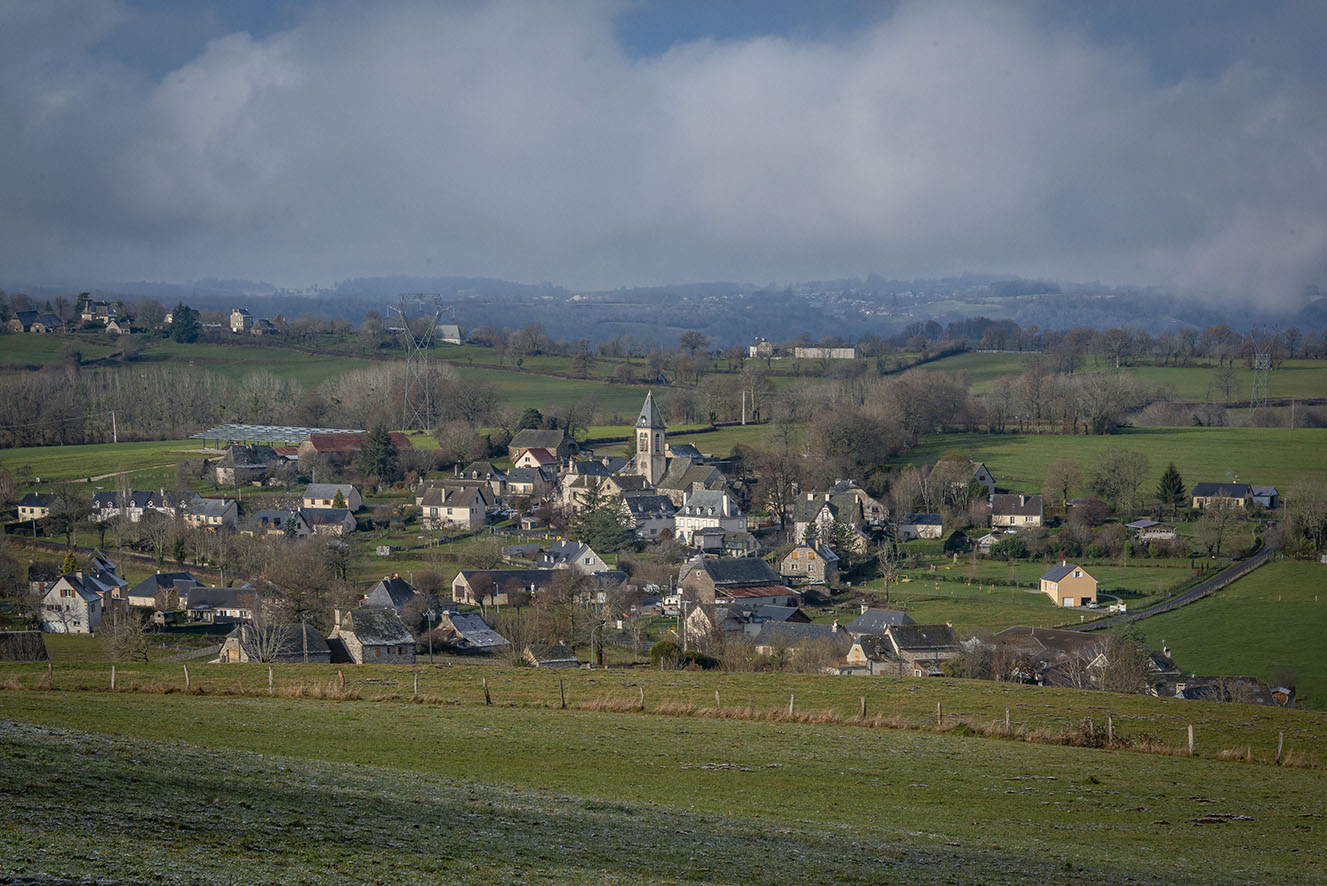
(982, 369)
(235, 361)
(1270, 621)
(40, 350)
(1270, 456)
(266, 789)
(95, 459)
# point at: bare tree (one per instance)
(123, 633)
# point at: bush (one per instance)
(665, 655)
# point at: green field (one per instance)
(52, 463)
(265, 789)
(42, 350)
(982, 369)
(1273, 620)
(1269, 456)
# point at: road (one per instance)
(1197, 592)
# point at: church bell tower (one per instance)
(651, 450)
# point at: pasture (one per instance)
(54, 463)
(1269, 456)
(1266, 624)
(304, 790)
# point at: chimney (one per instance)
(1063, 562)
(866, 607)
(835, 627)
(336, 618)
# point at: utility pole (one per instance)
(115, 434)
(743, 405)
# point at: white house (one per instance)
(706, 509)
(72, 605)
(322, 495)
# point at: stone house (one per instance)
(649, 514)
(708, 580)
(577, 555)
(555, 441)
(282, 644)
(328, 521)
(211, 513)
(1069, 584)
(499, 586)
(469, 632)
(323, 495)
(876, 622)
(278, 522)
(161, 591)
(393, 591)
(1016, 510)
(796, 637)
(707, 508)
(809, 563)
(920, 526)
(240, 320)
(371, 635)
(213, 605)
(243, 464)
(921, 650)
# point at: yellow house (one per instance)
(1069, 585)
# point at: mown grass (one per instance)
(96, 459)
(306, 790)
(1272, 620)
(1270, 456)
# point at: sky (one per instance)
(597, 144)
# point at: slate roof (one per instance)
(683, 473)
(200, 597)
(290, 643)
(512, 578)
(377, 626)
(483, 470)
(352, 442)
(162, 581)
(248, 456)
(83, 585)
(208, 507)
(1059, 571)
(1035, 641)
(1010, 504)
(393, 591)
(450, 496)
(649, 414)
(37, 500)
(556, 655)
(328, 490)
(874, 621)
(1222, 490)
(1264, 490)
(685, 450)
(532, 476)
(538, 438)
(325, 516)
(271, 519)
(733, 571)
(647, 505)
(475, 631)
(923, 520)
(917, 638)
(707, 503)
(792, 633)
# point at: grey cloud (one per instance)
(519, 140)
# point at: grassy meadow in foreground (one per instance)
(304, 790)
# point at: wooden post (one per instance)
(939, 715)
(271, 681)
(716, 699)
(186, 678)
(341, 678)
(1190, 739)
(1110, 729)
(112, 678)
(416, 682)
(562, 692)
(642, 698)
(488, 699)
(790, 703)
(861, 712)
(1006, 719)
(1280, 744)
(50, 675)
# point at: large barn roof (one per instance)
(231, 433)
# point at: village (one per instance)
(653, 552)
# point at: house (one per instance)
(707, 508)
(1052, 657)
(1232, 495)
(264, 327)
(1069, 584)
(502, 587)
(533, 483)
(328, 521)
(743, 617)
(555, 441)
(323, 495)
(35, 506)
(920, 526)
(572, 555)
(920, 650)
(214, 605)
(986, 542)
(211, 513)
(371, 635)
(1151, 530)
(797, 638)
(290, 522)
(162, 590)
(243, 464)
(487, 472)
(762, 348)
(469, 632)
(537, 457)
(1016, 510)
(240, 320)
(982, 475)
(98, 312)
(875, 622)
(449, 333)
(1266, 497)
(557, 655)
(707, 580)
(809, 563)
(870, 654)
(39, 322)
(453, 506)
(72, 605)
(119, 326)
(288, 644)
(813, 353)
(393, 591)
(740, 543)
(685, 476)
(649, 513)
(135, 504)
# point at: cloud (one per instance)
(521, 140)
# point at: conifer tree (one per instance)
(1171, 491)
(70, 563)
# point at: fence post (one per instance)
(562, 692)
(939, 715)
(112, 678)
(716, 699)
(1190, 739)
(416, 683)
(341, 678)
(271, 681)
(488, 700)
(1110, 729)
(186, 678)
(50, 675)
(861, 713)
(1280, 744)
(791, 696)
(642, 698)
(1006, 719)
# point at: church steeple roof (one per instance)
(649, 414)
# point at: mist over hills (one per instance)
(728, 312)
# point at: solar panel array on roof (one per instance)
(265, 433)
